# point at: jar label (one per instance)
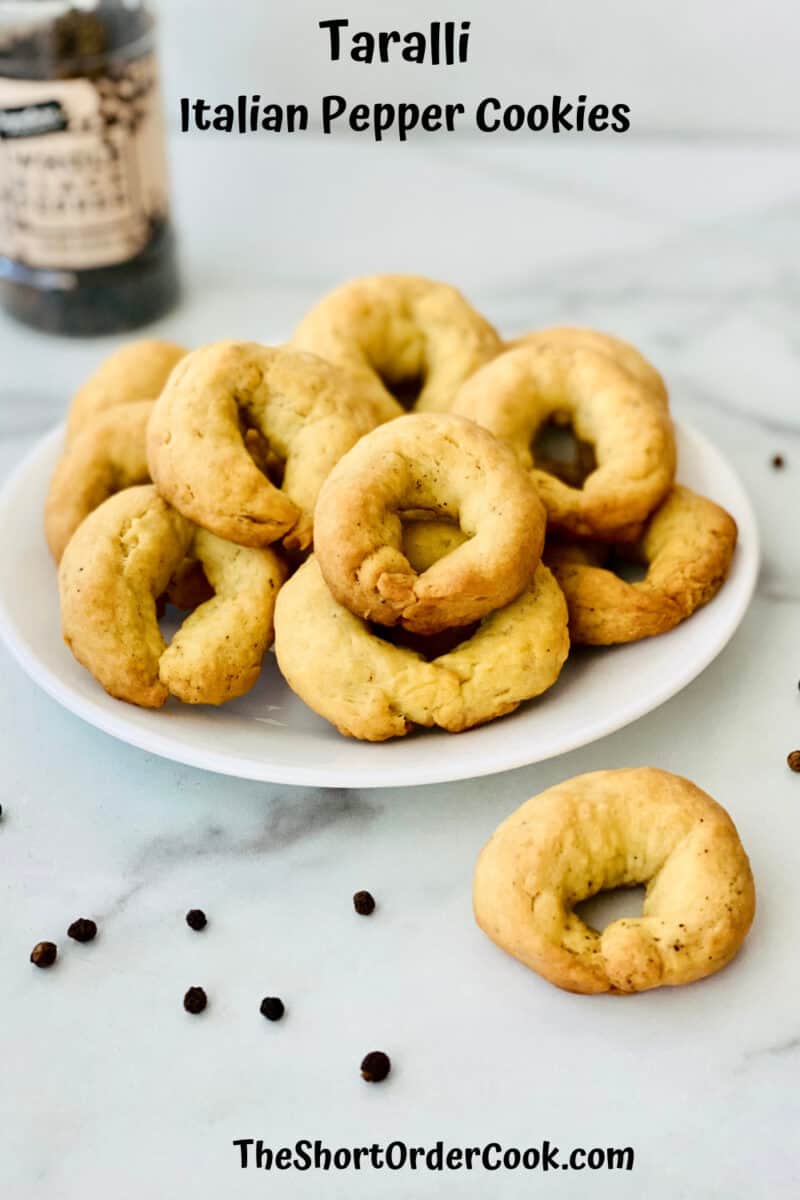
(82, 167)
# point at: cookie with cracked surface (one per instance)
(374, 690)
(116, 566)
(607, 830)
(446, 467)
(625, 422)
(687, 546)
(244, 435)
(411, 341)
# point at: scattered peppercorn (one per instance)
(793, 760)
(364, 903)
(196, 919)
(1, 812)
(375, 1066)
(195, 1000)
(272, 1008)
(778, 461)
(44, 954)
(83, 930)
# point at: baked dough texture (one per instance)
(400, 334)
(137, 371)
(614, 829)
(446, 467)
(234, 410)
(571, 337)
(688, 546)
(373, 690)
(627, 423)
(117, 564)
(108, 453)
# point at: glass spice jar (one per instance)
(86, 243)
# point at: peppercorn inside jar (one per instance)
(86, 242)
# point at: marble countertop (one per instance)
(690, 250)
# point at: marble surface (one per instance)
(106, 1086)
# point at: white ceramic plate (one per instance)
(272, 736)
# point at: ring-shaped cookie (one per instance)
(688, 546)
(117, 564)
(627, 423)
(373, 690)
(410, 340)
(107, 454)
(137, 371)
(303, 413)
(607, 830)
(447, 467)
(576, 336)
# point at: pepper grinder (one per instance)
(86, 242)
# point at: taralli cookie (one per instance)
(627, 424)
(371, 689)
(449, 468)
(120, 561)
(575, 336)
(234, 413)
(688, 546)
(615, 829)
(137, 371)
(108, 453)
(411, 341)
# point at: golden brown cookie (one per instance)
(688, 546)
(410, 340)
(449, 468)
(137, 371)
(624, 354)
(235, 412)
(116, 565)
(607, 830)
(625, 422)
(107, 454)
(373, 690)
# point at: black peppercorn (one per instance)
(44, 954)
(196, 919)
(778, 461)
(272, 1008)
(364, 903)
(375, 1066)
(793, 760)
(195, 1000)
(83, 930)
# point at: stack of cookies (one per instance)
(389, 497)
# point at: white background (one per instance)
(708, 67)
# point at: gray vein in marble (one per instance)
(289, 819)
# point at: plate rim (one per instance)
(350, 777)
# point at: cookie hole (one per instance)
(606, 907)
(188, 589)
(406, 391)
(430, 646)
(558, 450)
(626, 567)
(261, 452)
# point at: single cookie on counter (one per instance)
(137, 371)
(607, 830)
(372, 689)
(443, 466)
(243, 437)
(116, 566)
(626, 423)
(687, 546)
(411, 341)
